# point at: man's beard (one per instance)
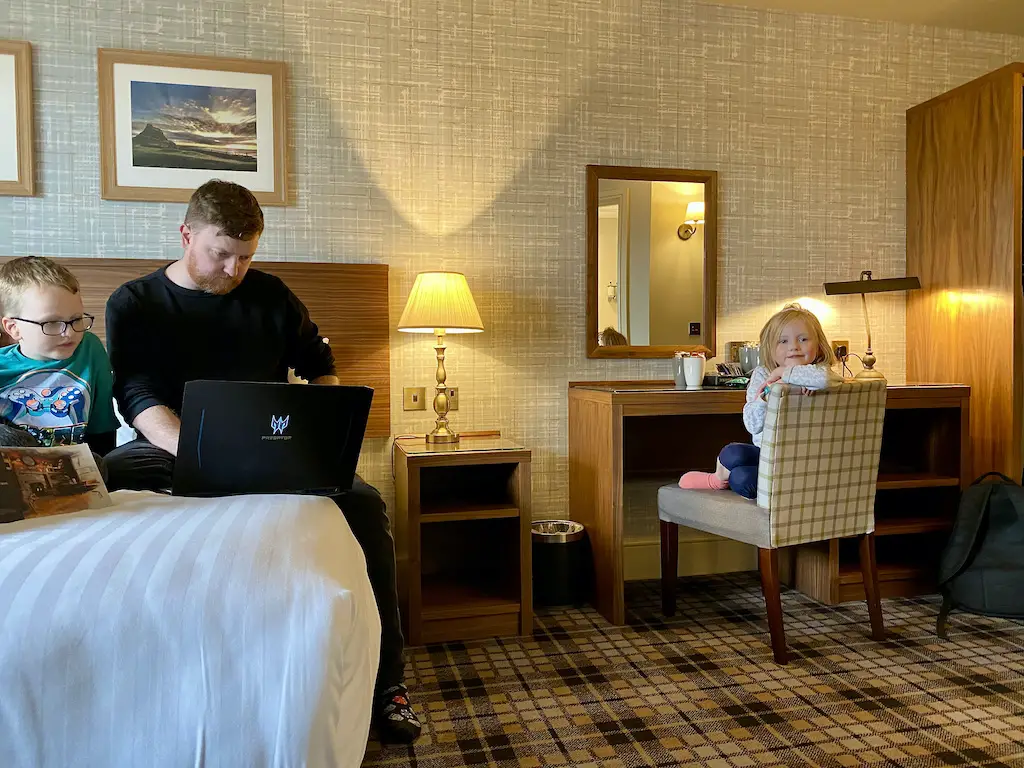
(218, 285)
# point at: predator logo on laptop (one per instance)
(278, 424)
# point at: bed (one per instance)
(169, 632)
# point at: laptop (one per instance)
(247, 437)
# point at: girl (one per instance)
(794, 350)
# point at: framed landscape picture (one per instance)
(17, 132)
(170, 122)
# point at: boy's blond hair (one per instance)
(18, 275)
(773, 330)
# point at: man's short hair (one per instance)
(18, 275)
(230, 207)
(612, 338)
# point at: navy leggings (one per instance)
(741, 459)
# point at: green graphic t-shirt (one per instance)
(59, 401)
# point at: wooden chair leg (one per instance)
(768, 562)
(669, 566)
(869, 570)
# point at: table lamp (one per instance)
(440, 303)
(865, 286)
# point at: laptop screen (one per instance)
(246, 437)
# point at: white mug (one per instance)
(693, 372)
(679, 375)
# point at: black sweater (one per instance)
(161, 335)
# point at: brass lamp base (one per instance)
(869, 373)
(442, 437)
(442, 434)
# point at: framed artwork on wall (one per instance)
(171, 121)
(17, 124)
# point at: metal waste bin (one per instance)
(561, 563)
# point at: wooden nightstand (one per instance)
(463, 538)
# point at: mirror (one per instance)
(651, 258)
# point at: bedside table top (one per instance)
(417, 446)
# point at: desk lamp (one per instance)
(865, 286)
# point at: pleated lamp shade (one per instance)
(440, 300)
(695, 213)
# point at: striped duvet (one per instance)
(183, 632)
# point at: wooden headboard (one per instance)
(349, 303)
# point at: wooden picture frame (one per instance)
(171, 121)
(17, 126)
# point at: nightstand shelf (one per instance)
(446, 598)
(466, 511)
(463, 524)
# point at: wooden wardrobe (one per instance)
(965, 163)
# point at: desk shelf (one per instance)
(899, 481)
(907, 565)
(899, 526)
(925, 455)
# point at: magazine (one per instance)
(36, 482)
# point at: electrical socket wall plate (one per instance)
(414, 398)
(453, 398)
(839, 346)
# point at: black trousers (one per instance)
(141, 466)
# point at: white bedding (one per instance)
(171, 632)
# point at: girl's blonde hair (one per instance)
(773, 330)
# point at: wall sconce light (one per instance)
(694, 216)
(611, 291)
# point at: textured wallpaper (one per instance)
(453, 134)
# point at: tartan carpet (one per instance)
(701, 688)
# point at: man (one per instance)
(209, 316)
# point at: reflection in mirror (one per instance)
(651, 261)
(612, 260)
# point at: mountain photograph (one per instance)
(197, 127)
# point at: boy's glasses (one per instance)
(60, 327)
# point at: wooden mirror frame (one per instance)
(629, 173)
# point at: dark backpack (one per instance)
(982, 567)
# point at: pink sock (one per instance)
(697, 481)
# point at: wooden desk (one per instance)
(622, 430)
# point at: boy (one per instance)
(55, 380)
